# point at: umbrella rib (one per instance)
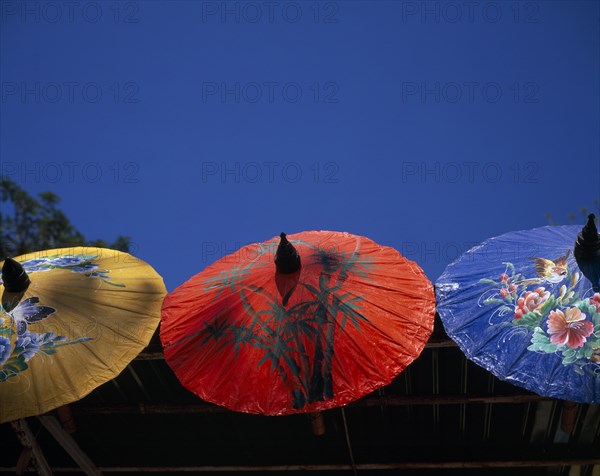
(78, 311)
(416, 325)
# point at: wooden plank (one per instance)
(23, 462)
(70, 445)
(392, 400)
(28, 441)
(530, 463)
(66, 419)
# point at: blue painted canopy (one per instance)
(519, 306)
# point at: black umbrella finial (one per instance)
(14, 277)
(15, 281)
(287, 259)
(587, 252)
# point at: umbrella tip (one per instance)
(14, 277)
(10, 266)
(587, 245)
(15, 281)
(587, 252)
(287, 259)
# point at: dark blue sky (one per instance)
(197, 127)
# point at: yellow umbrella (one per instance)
(84, 315)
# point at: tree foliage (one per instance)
(572, 218)
(30, 224)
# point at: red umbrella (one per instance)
(298, 326)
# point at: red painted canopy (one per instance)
(241, 335)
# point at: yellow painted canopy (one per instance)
(86, 314)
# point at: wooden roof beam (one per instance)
(69, 444)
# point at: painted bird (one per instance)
(549, 271)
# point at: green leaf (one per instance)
(548, 306)
(589, 311)
(16, 364)
(594, 344)
(549, 348)
(489, 281)
(539, 335)
(531, 320)
(119, 285)
(312, 289)
(541, 342)
(489, 301)
(587, 351)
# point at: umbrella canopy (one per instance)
(297, 326)
(72, 322)
(520, 306)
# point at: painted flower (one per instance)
(531, 301)
(70, 260)
(31, 342)
(75, 263)
(569, 327)
(504, 278)
(84, 268)
(5, 349)
(504, 292)
(595, 301)
(512, 289)
(83, 264)
(36, 264)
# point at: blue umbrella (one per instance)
(526, 308)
